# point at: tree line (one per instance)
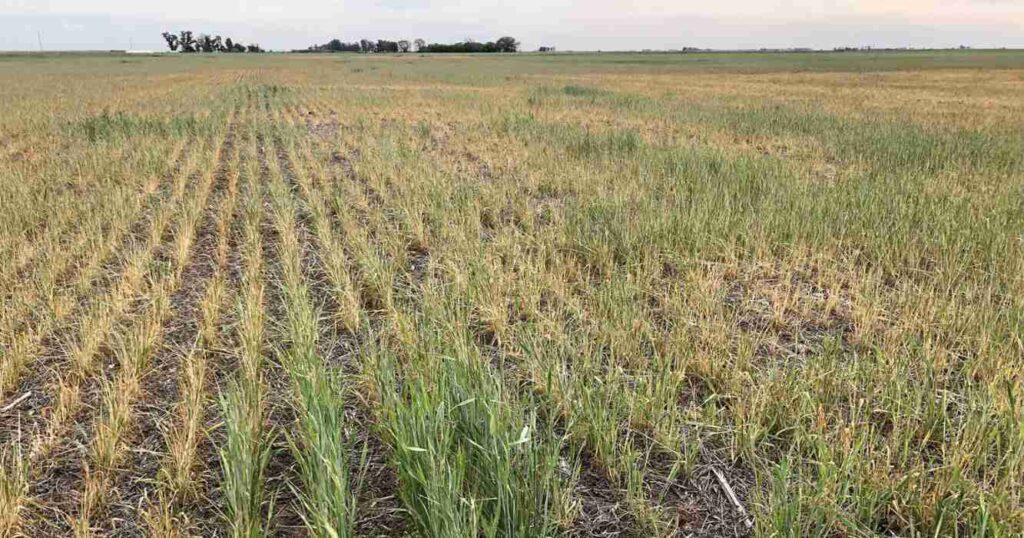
(186, 41)
(504, 44)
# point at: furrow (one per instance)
(136, 356)
(172, 479)
(57, 302)
(133, 485)
(80, 385)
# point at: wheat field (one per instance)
(455, 296)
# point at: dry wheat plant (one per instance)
(561, 295)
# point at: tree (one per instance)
(187, 42)
(383, 45)
(334, 45)
(172, 41)
(507, 44)
(204, 43)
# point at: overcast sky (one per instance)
(566, 24)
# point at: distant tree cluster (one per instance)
(186, 41)
(505, 44)
(363, 45)
(872, 49)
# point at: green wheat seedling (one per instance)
(325, 455)
(244, 457)
(471, 456)
(246, 450)
(322, 447)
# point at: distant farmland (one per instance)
(534, 295)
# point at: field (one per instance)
(582, 295)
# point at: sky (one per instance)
(565, 24)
